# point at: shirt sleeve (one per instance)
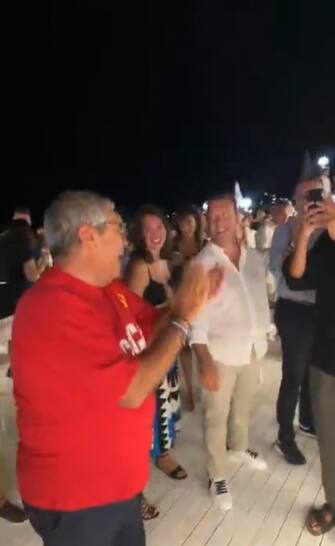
(263, 236)
(279, 248)
(309, 280)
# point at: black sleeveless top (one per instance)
(155, 292)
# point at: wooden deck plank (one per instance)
(269, 507)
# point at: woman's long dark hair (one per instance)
(191, 210)
(136, 236)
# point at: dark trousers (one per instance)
(323, 403)
(296, 325)
(118, 524)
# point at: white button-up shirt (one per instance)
(237, 320)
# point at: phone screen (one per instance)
(315, 196)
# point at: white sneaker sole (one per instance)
(225, 507)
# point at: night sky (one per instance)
(167, 101)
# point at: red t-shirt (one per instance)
(73, 359)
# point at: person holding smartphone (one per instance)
(295, 322)
(315, 269)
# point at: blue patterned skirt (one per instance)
(167, 413)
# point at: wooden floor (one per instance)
(269, 507)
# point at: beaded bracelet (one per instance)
(182, 321)
(183, 329)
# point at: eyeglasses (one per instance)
(122, 226)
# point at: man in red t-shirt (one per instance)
(84, 378)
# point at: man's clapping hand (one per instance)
(196, 288)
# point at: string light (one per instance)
(323, 162)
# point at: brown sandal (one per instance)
(177, 473)
(320, 520)
(148, 511)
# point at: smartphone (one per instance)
(315, 196)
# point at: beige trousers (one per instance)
(226, 414)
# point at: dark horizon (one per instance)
(167, 103)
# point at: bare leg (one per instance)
(167, 464)
(148, 511)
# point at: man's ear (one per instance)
(86, 234)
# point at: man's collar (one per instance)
(219, 251)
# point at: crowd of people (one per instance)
(106, 318)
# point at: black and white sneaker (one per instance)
(307, 431)
(221, 495)
(291, 453)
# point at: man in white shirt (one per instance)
(230, 339)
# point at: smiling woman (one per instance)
(150, 234)
(148, 276)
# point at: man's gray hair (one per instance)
(68, 212)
